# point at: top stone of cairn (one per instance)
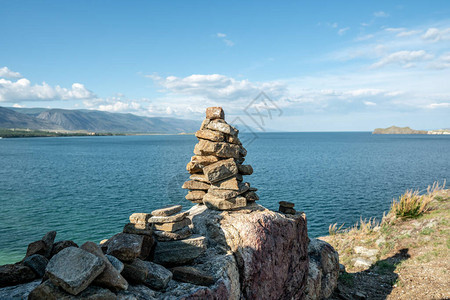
(213, 113)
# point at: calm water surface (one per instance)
(86, 187)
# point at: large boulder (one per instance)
(323, 270)
(147, 273)
(179, 252)
(37, 263)
(127, 247)
(73, 269)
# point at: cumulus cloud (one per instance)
(408, 33)
(439, 105)
(7, 73)
(224, 38)
(405, 58)
(436, 34)
(23, 90)
(443, 62)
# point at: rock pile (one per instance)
(216, 168)
(287, 207)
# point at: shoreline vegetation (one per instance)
(405, 256)
(407, 130)
(21, 133)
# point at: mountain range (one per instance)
(91, 121)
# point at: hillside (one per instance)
(92, 121)
(398, 130)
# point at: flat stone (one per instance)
(250, 196)
(174, 218)
(172, 226)
(140, 217)
(286, 204)
(219, 149)
(58, 246)
(14, 274)
(360, 262)
(195, 185)
(110, 277)
(221, 204)
(221, 170)
(37, 263)
(128, 247)
(365, 252)
(73, 269)
(179, 252)
(48, 290)
(228, 194)
(138, 228)
(245, 169)
(147, 273)
(231, 183)
(192, 275)
(287, 210)
(197, 163)
(204, 124)
(115, 262)
(138, 292)
(213, 113)
(167, 211)
(252, 189)
(20, 291)
(164, 236)
(199, 177)
(222, 126)
(210, 135)
(195, 195)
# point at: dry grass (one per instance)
(412, 204)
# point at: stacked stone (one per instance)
(216, 169)
(170, 224)
(287, 207)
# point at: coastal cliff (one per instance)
(398, 130)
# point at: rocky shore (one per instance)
(225, 247)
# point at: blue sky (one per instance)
(324, 65)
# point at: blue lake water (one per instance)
(86, 187)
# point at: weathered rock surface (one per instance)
(73, 269)
(147, 273)
(220, 170)
(15, 274)
(49, 291)
(174, 218)
(117, 264)
(58, 246)
(140, 217)
(270, 248)
(20, 291)
(323, 270)
(127, 247)
(222, 126)
(213, 113)
(138, 228)
(217, 203)
(228, 194)
(199, 177)
(211, 135)
(220, 149)
(49, 239)
(172, 226)
(245, 169)
(195, 196)
(197, 163)
(179, 252)
(164, 236)
(195, 185)
(37, 263)
(110, 277)
(167, 211)
(192, 275)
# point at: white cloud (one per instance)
(443, 62)
(7, 73)
(381, 14)
(18, 105)
(23, 90)
(120, 106)
(343, 30)
(408, 33)
(436, 34)
(439, 105)
(369, 103)
(404, 58)
(223, 36)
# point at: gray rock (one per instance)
(73, 269)
(138, 228)
(37, 263)
(221, 170)
(140, 217)
(231, 183)
(286, 204)
(179, 252)
(110, 277)
(115, 262)
(148, 273)
(195, 185)
(20, 291)
(138, 292)
(167, 211)
(49, 239)
(14, 274)
(211, 135)
(195, 196)
(58, 246)
(169, 219)
(323, 270)
(228, 194)
(128, 247)
(36, 247)
(164, 236)
(219, 149)
(250, 196)
(216, 203)
(360, 262)
(222, 126)
(173, 226)
(49, 291)
(245, 169)
(366, 252)
(192, 275)
(213, 113)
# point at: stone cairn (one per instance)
(287, 207)
(216, 168)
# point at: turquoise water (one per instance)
(86, 187)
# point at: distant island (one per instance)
(407, 130)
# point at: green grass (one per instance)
(427, 231)
(384, 267)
